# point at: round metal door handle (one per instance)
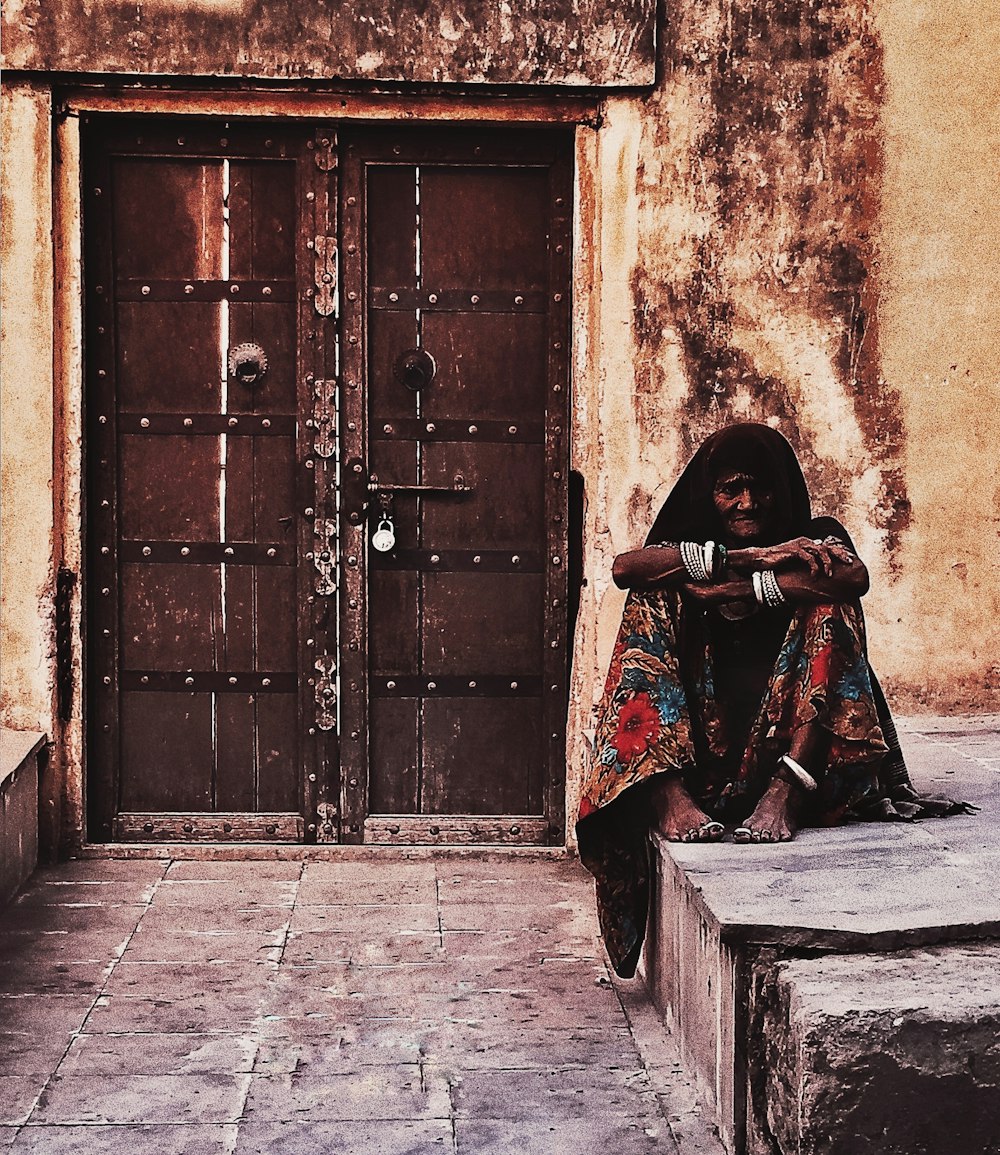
(247, 363)
(415, 368)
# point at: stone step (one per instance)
(891, 1053)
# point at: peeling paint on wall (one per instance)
(539, 42)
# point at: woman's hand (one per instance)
(816, 557)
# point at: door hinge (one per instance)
(326, 156)
(325, 277)
(324, 418)
(325, 532)
(326, 692)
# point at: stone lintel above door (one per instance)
(578, 43)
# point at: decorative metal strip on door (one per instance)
(455, 329)
(204, 338)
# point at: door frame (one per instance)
(70, 766)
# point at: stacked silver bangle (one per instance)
(704, 563)
(766, 589)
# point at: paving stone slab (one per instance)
(401, 1093)
(557, 919)
(105, 870)
(17, 1097)
(149, 1139)
(184, 980)
(111, 920)
(305, 947)
(381, 870)
(375, 919)
(368, 891)
(61, 946)
(424, 1137)
(566, 1137)
(528, 946)
(361, 1043)
(201, 1098)
(203, 947)
(214, 1011)
(262, 871)
(164, 1054)
(27, 975)
(7, 1137)
(552, 1094)
(225, 895)
(80, 892)
(222, 919)
(28, 1053)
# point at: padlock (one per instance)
(384, 537)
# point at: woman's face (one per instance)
(745, 506)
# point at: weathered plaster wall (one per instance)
(26, 415)
(799, 226)
(537, 42)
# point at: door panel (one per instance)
(255, 668)
(204, 637)
(455, 677)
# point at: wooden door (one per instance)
(455, 293)
(207, 642)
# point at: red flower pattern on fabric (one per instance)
(638, 726)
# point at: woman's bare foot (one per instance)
(774, 819)
(678, 818)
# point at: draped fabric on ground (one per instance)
(661, 712)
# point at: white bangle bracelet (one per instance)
(802, 775)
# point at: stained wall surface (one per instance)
(797, 223)
(799, 226)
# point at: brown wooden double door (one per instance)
(301, 349)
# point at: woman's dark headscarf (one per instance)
(689, 513)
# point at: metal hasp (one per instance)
(325, 301)
(457, 487)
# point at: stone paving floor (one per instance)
(373, 1005)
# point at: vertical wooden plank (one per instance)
(391, 240)
(490, 366)
(478, 753)
(170, 488)
(484, 227)
(168, 357)
(182, 200)
(278, 780)
(167, 740)
(262, 218)
(353, 506)
(394, 778)
(235, 753)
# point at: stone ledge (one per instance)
(897, 1054)
(722, 915)
(19, 752)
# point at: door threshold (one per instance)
(271, 852)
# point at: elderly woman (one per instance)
(739, 692)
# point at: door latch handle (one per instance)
(457, 487)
